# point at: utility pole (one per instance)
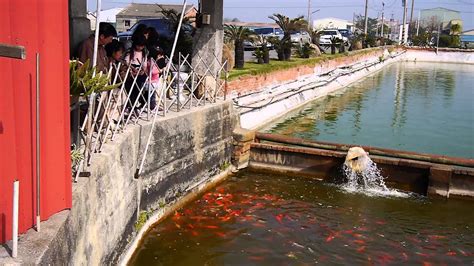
(366, 18)
(309, 15)
(418, 23)
(383, 6)
(412, 7)
(402, 40)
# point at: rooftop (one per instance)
(150, 10)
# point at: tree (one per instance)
(372, 24)
(185, 40)
(237, 35)
(288, 26)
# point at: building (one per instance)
(467, 39)
(252, 25)
(332, 23)
(131, 14)
(439, 15)
(108, 15)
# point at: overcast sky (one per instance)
(259, 10)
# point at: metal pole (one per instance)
(383, 7)
(178, 88)
(418, 23)
(38, 145)
(16, 192)
(96, 34)
(139, 170)
(366, 18)
(404, 21)
(412, 8)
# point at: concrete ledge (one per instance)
(36, 247)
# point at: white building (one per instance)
(332, 23)
(108, 15)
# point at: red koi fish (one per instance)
(211, 227)
(220, 234)
(361, 249)
(451, 253)
(405, 256)
(256, 258)
(194, 233)
(359, 242)
(380, 222)
(279, 218)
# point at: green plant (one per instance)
(225, 165)
(82, 81)
(381, 59)
(259, 54)
(237, 35)
(305, 51)
(76, 156)
(142, 218)
(335, 42)
(288, 26)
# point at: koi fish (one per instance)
(405, 256)
(211, 227)
(330, 238)
(380, 222)
(220, 234)
(256, 258)
(361, 249)
(451, 253)
(360, 242)
(194, 233)
(279, 217)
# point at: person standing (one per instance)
(107, 33)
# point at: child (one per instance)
(157, 63)
(136, 59)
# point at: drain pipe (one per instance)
(16, 192)
(140, 169)
(38, 153)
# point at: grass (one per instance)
(254, 69)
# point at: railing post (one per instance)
(178, 90)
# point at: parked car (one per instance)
(326, 35)
(264, 32)
(300, 37)
(161, 25)
(346, 33)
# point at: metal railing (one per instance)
(141, 92)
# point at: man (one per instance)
(107, 33)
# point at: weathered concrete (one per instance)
(209, 39)
(443, 56)
(188, 150)
(79, 25)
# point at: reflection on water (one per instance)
(256, 219)
(421, 107)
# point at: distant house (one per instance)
(467, 39)
(440, 16)
(333, 23)
(108, 15)
(135, 12)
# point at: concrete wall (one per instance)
(187, 150)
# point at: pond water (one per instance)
(258, 219)
(421, 107)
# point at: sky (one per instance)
(259, 10)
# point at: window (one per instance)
(127, 23)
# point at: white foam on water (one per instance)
(369, 181)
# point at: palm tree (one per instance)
(288, 26)
(237, 35)
(455, 29)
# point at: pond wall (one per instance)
(188, 151)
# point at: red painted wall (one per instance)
(41, 26)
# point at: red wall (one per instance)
(41, 26)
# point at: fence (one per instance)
(141, 95)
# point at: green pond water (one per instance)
(421, 107)
(257, 219)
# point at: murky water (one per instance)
(422, 107)
(257, 219)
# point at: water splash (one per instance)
(363, 175)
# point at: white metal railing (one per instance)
(132, 102)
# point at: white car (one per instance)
(326, 35)
(300, 37)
